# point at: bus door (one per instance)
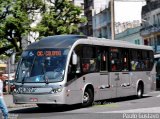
(124, 85)
(124, 82)
(105, 88)
(119, 67)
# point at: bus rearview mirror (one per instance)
(74, 58)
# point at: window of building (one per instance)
(146, 42)
(137, 41)
(158, 18)
(158, 40)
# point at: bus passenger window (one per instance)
(115, 59)
(92, 65)
(89, 59)
(125, 59)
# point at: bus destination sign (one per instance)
(48, 53)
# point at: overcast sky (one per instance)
(128, 11)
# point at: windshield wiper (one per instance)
(25, 76)
(44, 78)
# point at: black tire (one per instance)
(140, 91)
(88, 98)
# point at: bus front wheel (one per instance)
(140, 91)
(88, 98)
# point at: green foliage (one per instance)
(61, 17)
(15, 21)
(17, 17)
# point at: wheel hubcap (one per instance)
(85, 97)
(139, 92)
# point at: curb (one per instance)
(21, 105)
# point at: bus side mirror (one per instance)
(74, 58)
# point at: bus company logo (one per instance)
(31, 54)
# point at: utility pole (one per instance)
(112, 20)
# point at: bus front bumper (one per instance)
(38, 99)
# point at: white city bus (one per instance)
(71, 69)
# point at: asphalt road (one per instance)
(147, 107)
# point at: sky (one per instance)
(128, 11)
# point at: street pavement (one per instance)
(9, 102)
(119, 108)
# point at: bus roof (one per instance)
(65, 41)
(57, 41)
(118, 43)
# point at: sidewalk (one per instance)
(9, 102)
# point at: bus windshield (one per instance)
(45, 65)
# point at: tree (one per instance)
(15, 20)
(17, 16)
(61, 17)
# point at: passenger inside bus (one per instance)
(92, 66)
(85, 67)
(134, 65)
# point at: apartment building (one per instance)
(151, 24)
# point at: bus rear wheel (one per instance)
(88, 98)
(140, 91)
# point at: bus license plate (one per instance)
(22, 90)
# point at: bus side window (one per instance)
(104, 59)
(134, 60)
(125, 60)
(74, 71)
(89, 59)
(115, 59)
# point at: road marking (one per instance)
(145, 95)
(154, 92)
(158, 96)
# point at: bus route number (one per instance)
(48, 53)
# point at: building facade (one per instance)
(120, 27)
(80, 3)
(90, 8)
(151, 24)
(131, 35)
(102, 24)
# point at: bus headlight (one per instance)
(56, 90)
